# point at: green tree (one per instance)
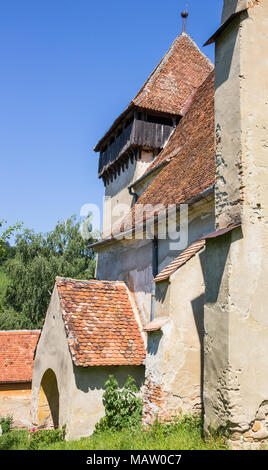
(39, 258)
(5, 235)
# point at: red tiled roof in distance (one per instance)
(100, 323)
(183, 257)
(177, 76)
(17, 355)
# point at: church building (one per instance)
(179, 300)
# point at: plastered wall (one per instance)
(236, 333)
(15, 400)
(174, 362)
(131, 260)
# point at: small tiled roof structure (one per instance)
(17, 355)
(155, 325)
(191, 168)
(100, 323)
(183, 257)
(178, 75)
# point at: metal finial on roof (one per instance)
(184, 15)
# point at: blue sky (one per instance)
(68, 69)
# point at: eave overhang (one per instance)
(213, 38)
(141, 227)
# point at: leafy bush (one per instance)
(14, 440)
(123, 407)
(44, 437)
(6, 423)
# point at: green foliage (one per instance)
(5, 237)
(6, 423)
(123, 407)
(3, 286)
(12, 320)
(45, 437)
(38, 259)
(14, 440)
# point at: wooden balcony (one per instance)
(141, 133)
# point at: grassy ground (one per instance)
(182, 436)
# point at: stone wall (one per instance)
(236, 326)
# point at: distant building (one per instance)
(16, 368)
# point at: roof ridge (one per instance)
(168, 86)
(86, 281)
(185, 110)
(198, 48)
(11, 332)
(166, 58)
(157, 67)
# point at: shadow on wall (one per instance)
(213, 262)
(94, 378)
(161, 292)
(48, 402)
(154, 339)
(225, 55)
(198, 314)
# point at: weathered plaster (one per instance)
(236, 325)
(174, 354)
(87, 403)
(116, 191)
(53, 353)
(131, 260)
(15, 400)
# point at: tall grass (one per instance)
(181, 435)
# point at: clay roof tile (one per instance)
(17, 355)
(105, 331)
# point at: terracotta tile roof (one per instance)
(17, 355)
(178, 75)
(191, 169)
(155, 325)
(197, 124)
(100, 323)
(222, 231)
(183, 257)
(181, 71)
